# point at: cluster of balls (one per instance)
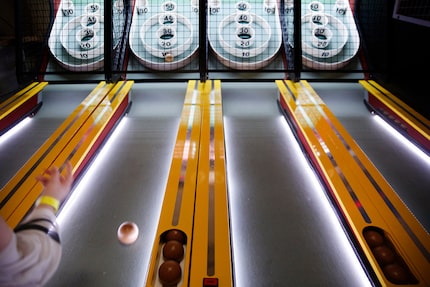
(390, 262)
(170, 272)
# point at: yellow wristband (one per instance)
(51, 201)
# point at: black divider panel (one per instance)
(33, 20)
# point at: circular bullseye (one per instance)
(244, 36)
(173, 250)
(166, 36)
(83, 42)
(87, 38)
(318, 20)
(321, 37)
(128, 232)
(318, 44)
(242, 47)
(169, 273)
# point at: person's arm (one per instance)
(56, 188)
(5, 234)
(30, 254)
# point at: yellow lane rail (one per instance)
(76, 140)
(394, 246)
(211, 250)
(20, 105)
(398, 113)
(195, 194)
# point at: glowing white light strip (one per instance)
(342, 242)
(332, 220)
(15, 130)
(96, 166)
(401, 138)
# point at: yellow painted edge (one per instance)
(382, 216)
(18, 206)
(292, 87)
(223, 250)
(311, 93)
(94, 130)
(217, 92)
(350, 207)
(67, 128)
(422, 129)
(17, 95)
(198, 265)
(396, 201)
(189, 94)
(187, 209)
(222, 254)
(379, 178)
(22, 209)
(22, 98)
(337, 187)
(67, 124)
(399, 102)
(286, 95)
(70, 128)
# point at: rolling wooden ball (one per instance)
(169, 58)
(174, 250)
(373, 238)
(384, 255)
(396, 273)
(128, 232)
(169, 273)
(175, 234)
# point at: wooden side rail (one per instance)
(76, 139)
(18, 106)
(394, 246)
(397, 113)
(195, 194)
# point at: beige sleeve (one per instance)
(32, 257)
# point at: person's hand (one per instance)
(56, 184)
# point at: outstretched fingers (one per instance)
(68, 176)
(44, 178)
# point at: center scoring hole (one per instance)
(166, 36)
(244, 36)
